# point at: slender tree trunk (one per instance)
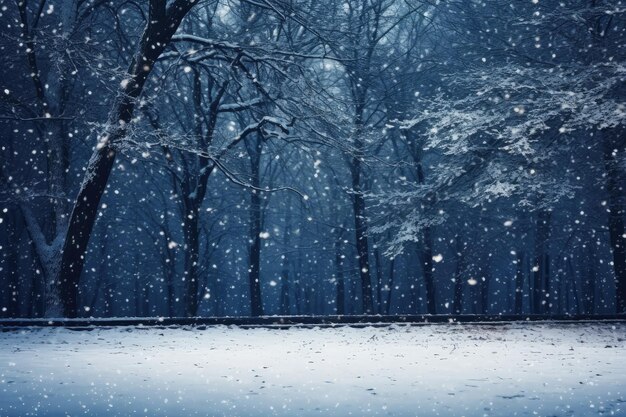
(138, 289)
(308, 300)
(540, 267)
(362, 245)
(614, 148)
(297, 291)
(256, 307)
(163, 22)
(192, 258)
(285, 302)
(572, 278)
(427, 267)
(353, 296)
(146, 307)
(568, 284)
(426, 250)
(254, 276)
(590, 280)
(392, 265)
(548, 296)
(519, 283)
(457, 303)
(484, 288)
(379, 279)
(559, 276)
(9, 264)
(341, 289)
(170, 274)
(319, 300)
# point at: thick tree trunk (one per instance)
(101, 273)
(51, 101)
(163, 22)
(81, 224)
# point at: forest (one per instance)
(200, 158)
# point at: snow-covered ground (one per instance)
(437, 370)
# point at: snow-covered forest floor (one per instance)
(436, 370)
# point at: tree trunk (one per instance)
(163, 22)
(9, 261)
(548, 296)
(81, 224)
(285, 302)
(457, 304)
(379, 279)
(362, 245)
(614, 149)
(170, 274)
(51, 101)
(192, 258)
(254, 275)
(341, 289)
(392, 265)
(590, 280)
(427, 268)
(256, 307)
(519, 283)
(100, 273)
(138, 290)
(426, 251)
(571, 277)
(567, 280)
(484, 288)
(297, 290)
(540, 267)
(147, 307)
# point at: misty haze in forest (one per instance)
(312, 157)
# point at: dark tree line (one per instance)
(222, 157)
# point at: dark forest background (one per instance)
(212, 158)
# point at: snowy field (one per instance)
(437, 370)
